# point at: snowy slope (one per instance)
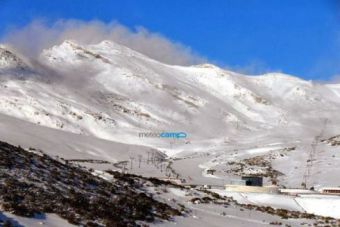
(314, 204)
(8, 59)
(110, 92)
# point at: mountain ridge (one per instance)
(108, 91)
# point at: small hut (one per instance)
(253, 180)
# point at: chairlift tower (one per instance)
(313, 153)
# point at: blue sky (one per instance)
(299, 37)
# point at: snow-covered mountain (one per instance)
(110, 94)
(9, 60)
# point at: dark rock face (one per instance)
(33, 184)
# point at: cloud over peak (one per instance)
(38, 35)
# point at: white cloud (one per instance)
(38, 35)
